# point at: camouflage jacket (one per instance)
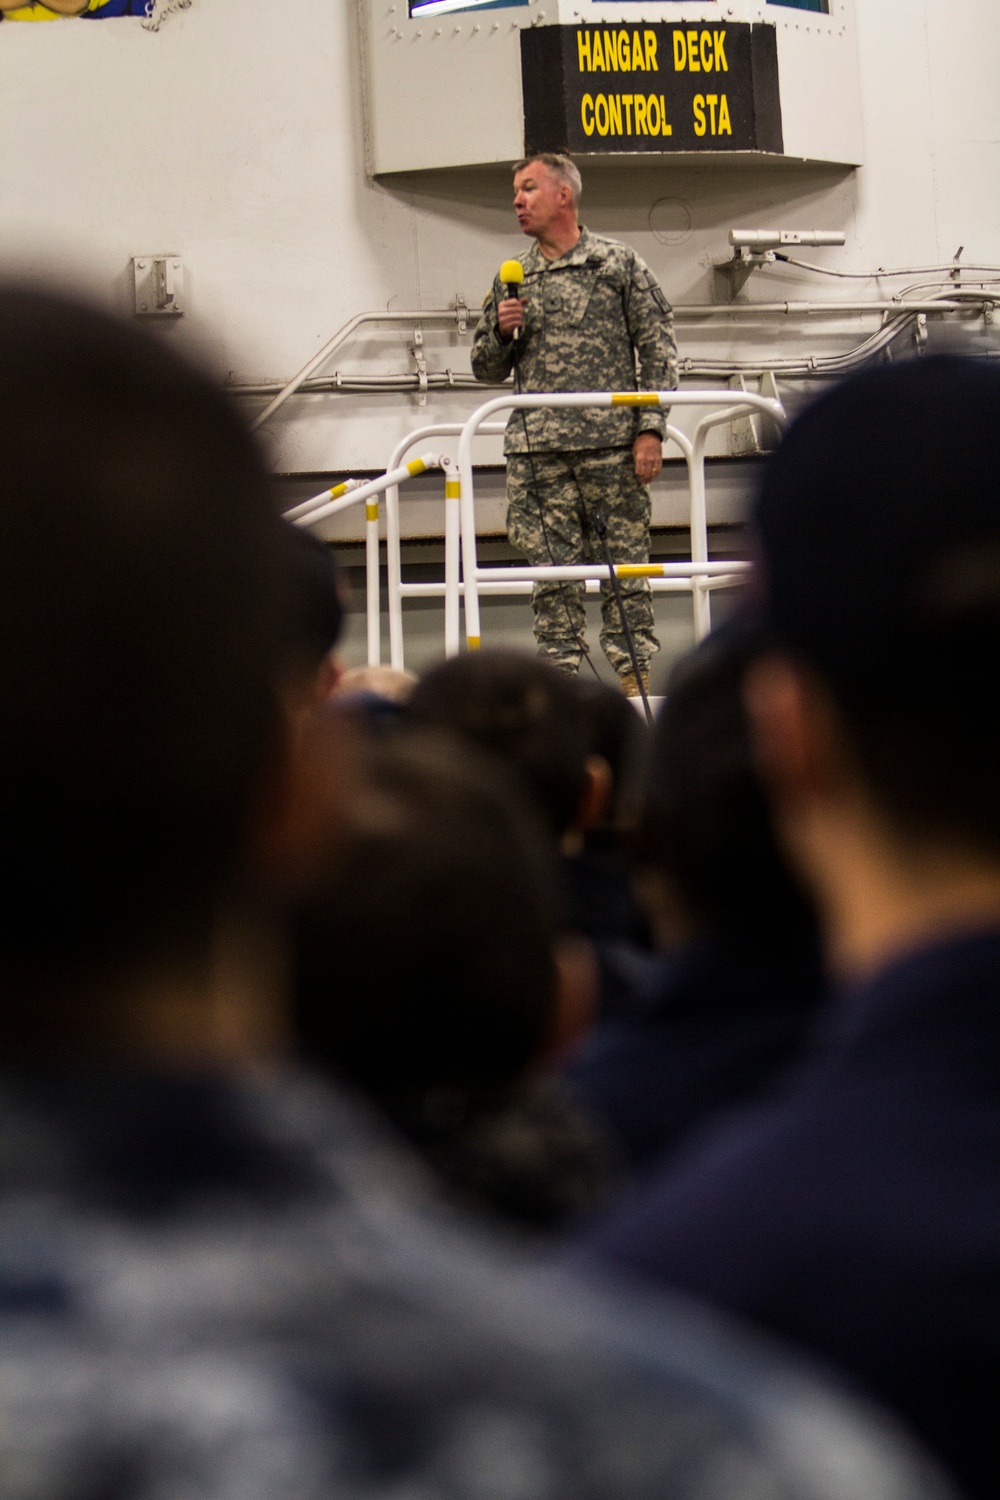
(590, 316)
(215, 1289)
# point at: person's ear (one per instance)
(328, 677)
(794, 731)
(313, 779)
(575, 1002)
(596, 796)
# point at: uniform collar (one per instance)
(535, 261)
(947, 987)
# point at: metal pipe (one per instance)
(700, 601)
(373, 487)
(373, 609)
(450, 314)
(834, 309)
(682, 585)
(700, 592)
(297, 511)
(393, 567)
(394, 572)
(683, 311)
(574, 572)
(452, 549)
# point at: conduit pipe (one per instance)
(958, 300)
(810, 309)
(901, 311)
(946, 268)
(430, 315)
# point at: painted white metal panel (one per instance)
(235, 137)
(820, 85)
(445, 90)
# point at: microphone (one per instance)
(512, 276)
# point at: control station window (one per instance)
(823, 6)
(452, 7)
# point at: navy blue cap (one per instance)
(877, 530)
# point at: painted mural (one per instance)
(152, 12)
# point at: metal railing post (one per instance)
(701, 600)
(341, 497)
(394, 571)
(452, 556)
(373, 603)
(393, 577)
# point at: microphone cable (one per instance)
(601, 527)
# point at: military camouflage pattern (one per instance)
(591, 316)
(553, 500)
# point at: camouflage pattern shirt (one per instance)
(591, 317)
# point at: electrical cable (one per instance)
(950, 291)
(601, 527)
(822, 365)
(950, 267)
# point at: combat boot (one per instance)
(630, 687)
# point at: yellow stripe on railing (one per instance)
(453, 489)
(472, 642)
(371, 510)
(416, 466)
(640, 570)
(337, 491)
(635, 398)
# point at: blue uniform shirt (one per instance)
(858, 1212)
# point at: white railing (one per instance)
(353, 492)
(464, 580)
(699, 575)
(396, 588)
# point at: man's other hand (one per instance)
(647, 454)
(510, 315)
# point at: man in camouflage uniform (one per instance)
(591, 309)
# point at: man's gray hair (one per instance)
(560, 167)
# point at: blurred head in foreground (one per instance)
(520, 708)
(143, 597)
(375, 698)
(707, 842)
(874, 704)
(316, 614)
(433, 972)
(618, 736)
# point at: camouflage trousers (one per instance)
(552, 502)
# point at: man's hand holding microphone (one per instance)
(510, 312)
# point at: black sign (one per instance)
(652, 87)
